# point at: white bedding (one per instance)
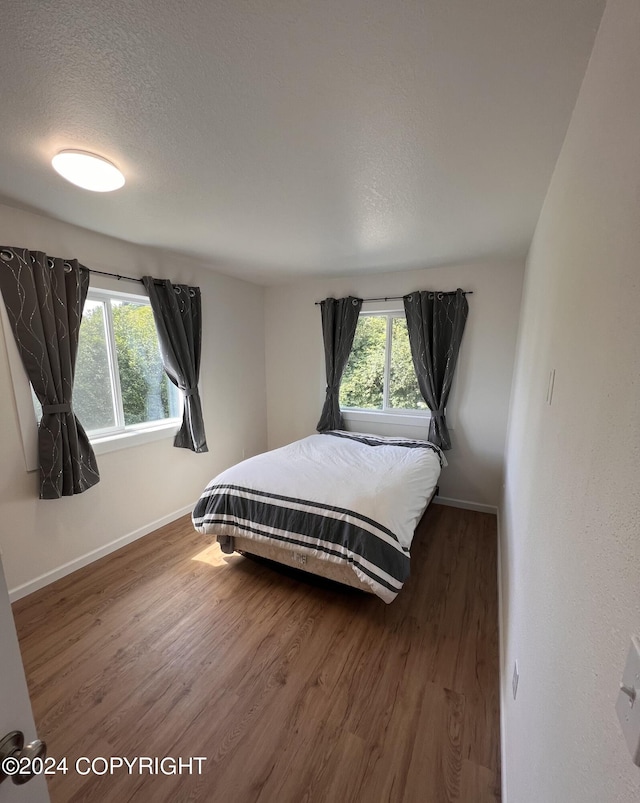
(390, 485)
(381, 486)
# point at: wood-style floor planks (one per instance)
(293, 688)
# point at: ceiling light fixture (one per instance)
(88, 171)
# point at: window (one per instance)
(120, 385)
(380, 374)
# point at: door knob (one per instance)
(31, 751)
(12, 746)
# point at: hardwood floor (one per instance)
(292, 690)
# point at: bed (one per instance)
(343, 505)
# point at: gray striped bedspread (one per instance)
(341, 496)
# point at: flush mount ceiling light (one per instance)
(88, 171)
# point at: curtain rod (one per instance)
(115, 275)
(119, 276)
(399, 298)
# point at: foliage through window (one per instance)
(120, 383)
(380, 374)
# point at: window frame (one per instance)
(26, 414)
(122, 430)
(367, 413)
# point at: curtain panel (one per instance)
(44, 297)
(435, 322)
(177, 312)
(339, 321)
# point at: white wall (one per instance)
(143, 484)
(570, 521)
(479, 402)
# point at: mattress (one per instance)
(348, 499)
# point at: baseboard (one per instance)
(501, 678)
(462, 503)
(67, 568)
(95, 554)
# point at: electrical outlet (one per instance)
(515, 679)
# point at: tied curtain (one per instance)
(177, 312)
(44, 297)
(435, 322)
(339, 321)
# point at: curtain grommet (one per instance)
(51, 263)
(6, 256)
(68, 267)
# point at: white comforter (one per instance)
(367, 485)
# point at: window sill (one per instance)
(137, 437)
(113, 443)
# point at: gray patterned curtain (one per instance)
(177, 311)
(339, 321)
(44, 297)
(435, 322)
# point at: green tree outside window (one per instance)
(365, 375)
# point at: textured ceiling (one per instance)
(296, 137)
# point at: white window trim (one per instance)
(121, 436)
(124, 440)
(102, 444)
(387, 414)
